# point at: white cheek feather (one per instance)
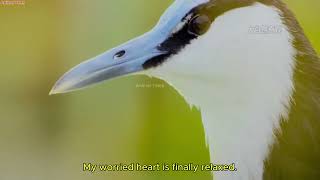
(241, 81)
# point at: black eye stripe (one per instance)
(172, 45)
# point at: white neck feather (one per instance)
(240, 77)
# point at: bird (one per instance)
(249, 69)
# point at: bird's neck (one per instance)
(239, 120)
(239, 130)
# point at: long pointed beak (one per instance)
(128, 58)
(125, 59)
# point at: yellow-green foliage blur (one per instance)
(50, 137)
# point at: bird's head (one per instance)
(194, 39)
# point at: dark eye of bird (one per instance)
(119, 54)
(199, 25)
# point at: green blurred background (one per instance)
(49, 137)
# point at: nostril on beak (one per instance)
(119, 54)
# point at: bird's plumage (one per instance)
(240, 81)
(296, 150)
(258, 91)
